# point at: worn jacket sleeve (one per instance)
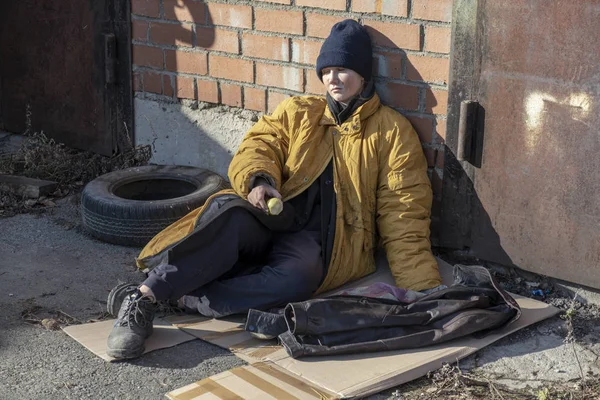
(262, 153)
(403, 209)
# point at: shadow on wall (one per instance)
(465, 224)
(410, 99)
(182, 132)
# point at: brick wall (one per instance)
(254, 54)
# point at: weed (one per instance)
(41, 157)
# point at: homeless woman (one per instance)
(346, 168)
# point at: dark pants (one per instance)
(236, 263)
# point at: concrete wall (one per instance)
(185, 133)
(254, 54)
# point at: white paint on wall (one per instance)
(296, 56)
(235, 18)
(292, 78)
(389, 7)
(382, 66)
(285, 51)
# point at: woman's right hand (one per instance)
(259, 196)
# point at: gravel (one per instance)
(48, 264)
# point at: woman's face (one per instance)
(341, 83)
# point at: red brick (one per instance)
(440, 130)
(319, 25)
(313, 83)
(167, 85)
(282, 21)
(230, 15)
(432, 10)
(184, 87)
(424, 128)
(305, 51)
(395, 35)
(148, 8)
(398, 95)
(184, 10)
(217, 39)
(254, 99)
(152, 83)
(171, 34)
(136, 79)
(269, 47)
(280, 76)
(139, 30)
(231, 95)
(145, 56)
(276, 1)
(388, 65)
(275, 99)
(186, 62)
(396, 8)
(428, 69)
(327, 4)
(207, 91)
(231, 68)
(430, 156)
(438, 39)
(436, 101)
(439, 160)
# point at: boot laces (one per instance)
(136, 313)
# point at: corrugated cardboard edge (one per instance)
(257, 381)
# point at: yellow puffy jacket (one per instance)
(380, 180)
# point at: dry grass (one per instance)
(43, 158)
(449, 382)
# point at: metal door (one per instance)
(527, 192)
(65, 70)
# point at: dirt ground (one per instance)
(53, 274)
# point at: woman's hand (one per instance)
(260, 194)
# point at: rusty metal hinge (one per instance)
(110, 58)
(470, 132)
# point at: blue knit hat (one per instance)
(348, 46)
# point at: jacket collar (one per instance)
(360, 114)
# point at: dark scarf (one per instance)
(341, 112)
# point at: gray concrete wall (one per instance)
(195, 134)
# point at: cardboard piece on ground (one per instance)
(335, 376)
(227, 333)
(257, 381)
(93, 336)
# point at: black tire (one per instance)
(131, 206)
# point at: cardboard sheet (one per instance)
(93, 336)
(258, 381)
(337, 376)
(273, 374)
(353, 375)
